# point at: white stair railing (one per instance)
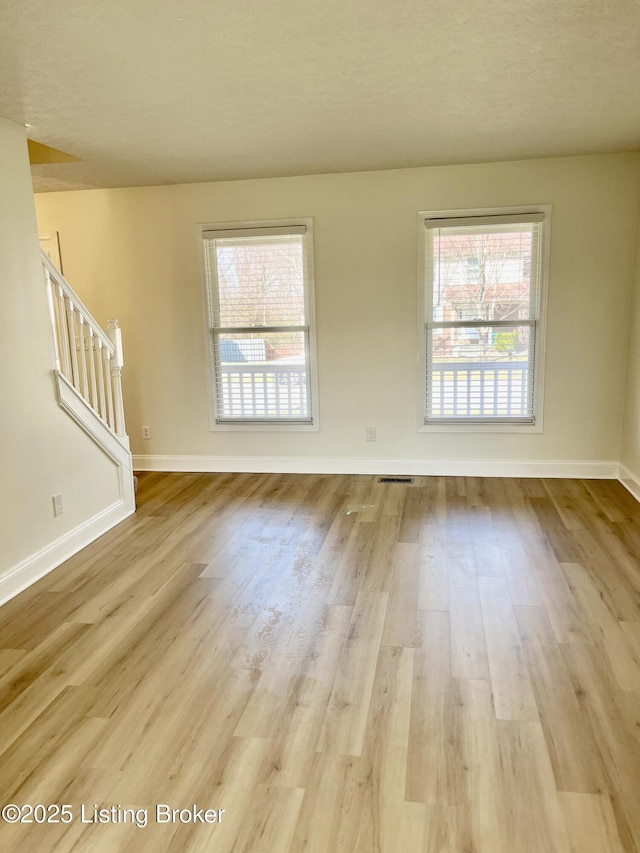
(87, 357)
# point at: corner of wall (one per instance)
(630, 438)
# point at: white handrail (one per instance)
(78, 304)
(89, 358)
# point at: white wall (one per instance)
(631, 430)
(43, 451)
(133, 254)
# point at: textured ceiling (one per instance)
(170, 92)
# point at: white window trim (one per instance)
(538, 405)
(262, 426)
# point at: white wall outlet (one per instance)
(57, 505)
(370, 433)
(146, 432)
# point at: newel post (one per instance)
(115, 336)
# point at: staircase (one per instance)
(88, 366)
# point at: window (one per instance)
(261, 331)
(482, 292)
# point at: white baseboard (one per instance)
(44, 561)
(418, 467)
(630, 481)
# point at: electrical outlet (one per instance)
(370, 433)
(146, 432)
(57, 505)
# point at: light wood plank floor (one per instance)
(340, 665)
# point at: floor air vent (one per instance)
(395, 479)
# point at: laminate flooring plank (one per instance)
(418, 509)
(433, 583)
(149, 733)
(235, 789)
(383, 768)
(270, 824)
(512, 691)
(520, 572)
(614, 500)
(461, 562)
(536, 819)
(606, 629)
(595, 688)
(628, 705)
(118, 675)
(483, 799)
(345, 722)
(9, 658)
(569, 621)
(573, 750)
(611, 571)
(296, 734)
(434, 759)
(565, 546)
(591, 824)
(330, 815)
(393, 499)
(307, 615)
(378, 570)
(33, 665)
(569, 498)
(400, 624)
(632, 631)
(488, 552)
(202, 752)
(352, 564)
(468, 643)
(57, 738)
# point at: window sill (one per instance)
(264, 427)
(481, 428)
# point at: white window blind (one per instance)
(482, 303)
(258, 296)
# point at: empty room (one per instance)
(320, 427)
